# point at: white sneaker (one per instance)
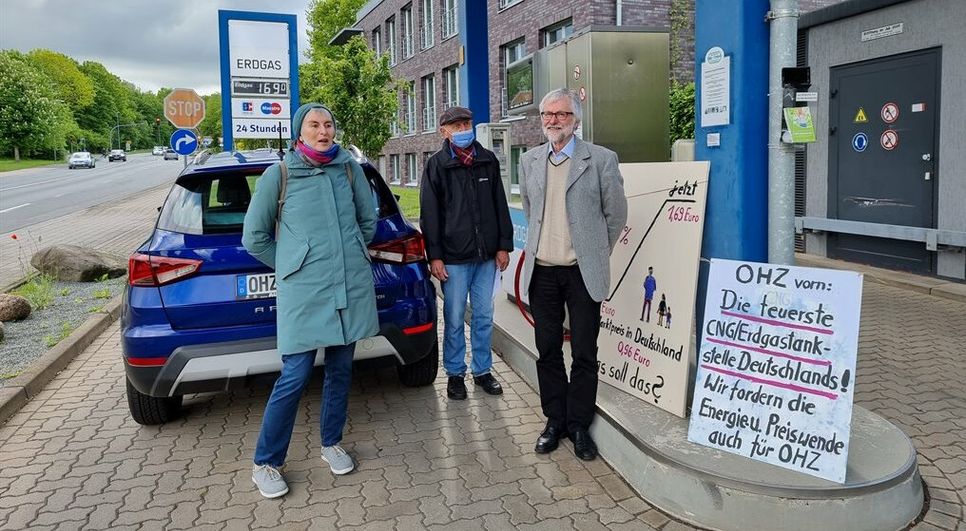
(338, 460)
(269, 481)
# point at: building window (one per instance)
(407, 35)
(394, 169)
(411, 108)
(382, 167)
(516, 154)
(377, 41)
(511, 52)
(427, 13)
(557, 32)
(451, 77)
(429, 103)
(507, 3)
(391, 40)
(412, 178)
(449, 18)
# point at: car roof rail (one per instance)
(358, 154)
(203, 156)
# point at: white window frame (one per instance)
(511, 52)
(413, 168)
(449, 19)
(553, 29)
(451, 81)
(429, 102)
(391, 40)
(407, 36)
(394, 165)
(508, 3)
(377, 40)
(428, 33)
(411, 109)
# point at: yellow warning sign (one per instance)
(860, 117)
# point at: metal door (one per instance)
(883, 136)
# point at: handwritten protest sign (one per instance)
(776, 366)
(646, 321)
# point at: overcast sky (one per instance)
(171, 43)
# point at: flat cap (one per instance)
(455, 114)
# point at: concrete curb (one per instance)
(936, 287)
(16, 392)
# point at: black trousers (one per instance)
(566, 404)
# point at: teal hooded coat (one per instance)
(322, 266)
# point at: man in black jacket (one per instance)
(466, 225)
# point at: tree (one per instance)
(682, 111)
(360, 90)
(211, 125)
(73, 87)
(32, 118)
(326, 18)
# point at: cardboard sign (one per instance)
(646, 322)
(776, 366)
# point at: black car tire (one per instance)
(150, 410)
(421, 373)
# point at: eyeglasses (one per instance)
(561, 115)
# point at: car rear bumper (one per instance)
(228, 365)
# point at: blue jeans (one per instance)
(283, 403)
(475, 280)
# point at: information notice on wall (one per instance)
(776, 365)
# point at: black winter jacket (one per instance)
(463, 210)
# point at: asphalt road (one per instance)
(34, 195)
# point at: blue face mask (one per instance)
(463, 139)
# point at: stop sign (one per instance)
(184, 108)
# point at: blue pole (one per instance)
(736, 218)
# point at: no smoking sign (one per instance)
(889, 113)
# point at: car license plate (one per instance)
(259, 286)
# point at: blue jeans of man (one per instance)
(282, 407)
(476, 280)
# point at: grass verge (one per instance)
(408, 201)
(10, 164)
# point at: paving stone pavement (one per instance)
(73, 459)
(912, 371)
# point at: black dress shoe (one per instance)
(455, 388)
(489, 384)
(550, 439)
(584, 446)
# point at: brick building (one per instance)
(453, 52)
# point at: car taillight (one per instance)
(406, 250)
(145, 270)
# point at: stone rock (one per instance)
(77, 264)
(13, 307)
(1, 331)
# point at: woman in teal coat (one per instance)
(326, 298)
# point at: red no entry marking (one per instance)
(889, 113)
(889, 140)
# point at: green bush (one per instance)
(682, 111)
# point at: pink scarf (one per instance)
(320, 157)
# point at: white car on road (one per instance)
(81, 159)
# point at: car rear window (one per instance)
(216, 203)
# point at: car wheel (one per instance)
(421, 373)
(150, 410)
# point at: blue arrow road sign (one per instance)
(184, 142)
(860, 142)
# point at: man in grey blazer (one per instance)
(573, 198)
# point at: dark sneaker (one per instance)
(489, 384)
(269, 481)
(455, 388)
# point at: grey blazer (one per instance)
(596, 209)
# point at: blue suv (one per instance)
(199, 311)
